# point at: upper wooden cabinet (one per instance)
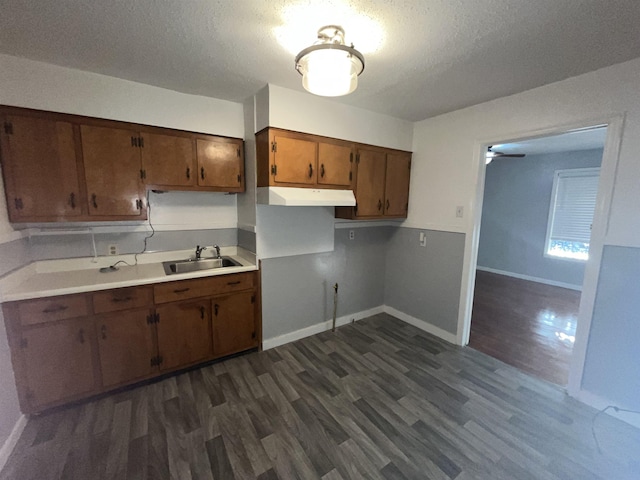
(294, 159)
(381, 184)
(112, 166)
(59, 167)
(220, 164)
(40, 168)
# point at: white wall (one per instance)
(447, 158)
(26, 83)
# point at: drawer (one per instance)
(122, 299)
(49, 309)
(202, 287)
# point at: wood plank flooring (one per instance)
(379, 399)
(525, 324)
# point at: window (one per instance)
(573, 203)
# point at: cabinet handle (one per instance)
(188, 173)
(103, 331)
(72, 200)
(81, 335)
(387, 204)
(119, 300)
(55, 309)
(310, 170)
(237, 282)
(181, 290)
(322, 170)
(202, 173)
(379, 204)
(94, 200)
(216, 307)
(202, 313)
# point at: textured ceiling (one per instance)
(423, 57)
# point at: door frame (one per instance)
(608, 169)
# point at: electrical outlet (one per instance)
(113, 249)
(352, 234)
(459, 211)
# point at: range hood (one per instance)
(305, 197)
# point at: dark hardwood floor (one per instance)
(525, 324)
(379, 399)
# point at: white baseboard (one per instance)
(553, 283)
(421, 324)
(600, 403)
(12, 440)
(318, 328)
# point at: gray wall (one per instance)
(612, 362)
(13, 255)
(515, 212)
(424, 282)
(297, 291)
(47, 247)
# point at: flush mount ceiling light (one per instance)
(329, 67)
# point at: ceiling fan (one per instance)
(491, 155)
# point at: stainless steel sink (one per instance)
(184, 266)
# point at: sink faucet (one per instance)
(217, 251)
(199, 251)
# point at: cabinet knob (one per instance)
(94, 200)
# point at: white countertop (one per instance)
(62, 277)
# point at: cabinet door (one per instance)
(168, 160)
(220, 164)
(234, 326)
(334, 165)
(295, 161)
(370, 182)
(126, 346)
(41, 173)
(397, 184)
(57, 360)
(184, 333)
(112, 170)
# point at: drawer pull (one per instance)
(237, 282)
(123, 299)
(181, 290)
(55, 309)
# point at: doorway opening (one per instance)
(538, 206)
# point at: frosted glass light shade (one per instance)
(330, 72)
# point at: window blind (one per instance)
(574, 204)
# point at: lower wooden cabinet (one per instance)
(234, 326)
(184, 333)
(74, 346)
(57, 361)
(126, 346)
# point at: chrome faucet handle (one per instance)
(199, 251)
(217, 251)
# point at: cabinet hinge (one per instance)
(350, 176)
(141, 142)
(357, 158)
(154, 361)
(143, 174)
(239, 178)
(409, 164)
(253, 299)
(253, 334)
(24, 343)
(216, 307)
(238, 150)
(8, 128)
(274, 147)
(18, 203)
(138, 204)
(134, 141)
(156, 318)
(274, 169)
(406, 207)
(351, 157)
